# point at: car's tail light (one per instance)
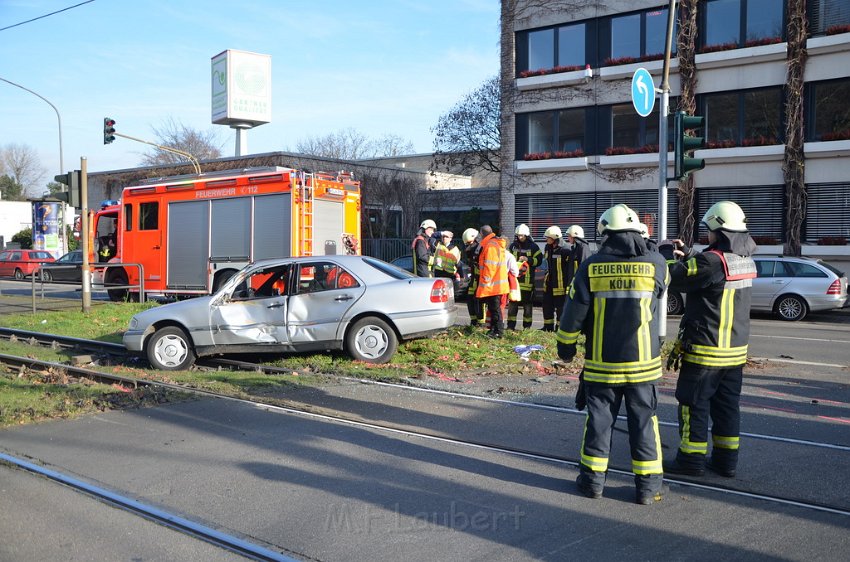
(440, 291)
(834, 288)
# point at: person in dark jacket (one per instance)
(580, 251)
(614, 301)
(528, 257)
(557, 256)
(423, 249)
(471, 249)
(713, 340)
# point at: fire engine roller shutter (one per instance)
(231, 230)
(328, 224)
(272, 226)
(188, 244)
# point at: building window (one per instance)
(551, 134)
(631, 133)
(829, 118)
(637, 37)
(731, 24)
(828, 16)
(553, 49)
(750, 118)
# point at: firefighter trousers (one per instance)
(709, 394)
(603, 406)
(473, 306)
(527, 303)
(553, 306)
(493, 304)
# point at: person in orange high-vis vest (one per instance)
(493, 277)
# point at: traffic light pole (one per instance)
(195, 164)
(84, 235)
(663, 113)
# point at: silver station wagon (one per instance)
(359, 304)
(790, 287)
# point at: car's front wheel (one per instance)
(371, 340)
(169, 349)
(675, 303)
(791, 308)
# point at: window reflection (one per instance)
(831, 111)
(723, 22)
(571, 45)
(540, 132)
(541, 49)
(625, 36)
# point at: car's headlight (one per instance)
(133, 323)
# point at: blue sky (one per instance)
(378, 66)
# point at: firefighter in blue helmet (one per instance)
(614, 300)
(713, 339)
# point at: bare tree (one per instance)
(203, 145)
(467, 137)
(21, 164)
(351, 144)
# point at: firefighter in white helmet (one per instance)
(581, 250)
(423, 249)
(471, 249)
(613, 301)
(713, 339)
(557, 256)
(528, 257)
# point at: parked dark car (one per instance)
(67, 268)
(21, 263)
(460, 285)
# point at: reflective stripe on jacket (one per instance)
(715, 329)
(558, 260)
(613, 300)
(534, 256)
(493, 277)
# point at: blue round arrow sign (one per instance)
(643, 92)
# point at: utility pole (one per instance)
(84, 235)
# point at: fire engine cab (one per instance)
(187, 235)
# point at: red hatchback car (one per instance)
(21, 263)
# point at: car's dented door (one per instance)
(324, 294)
(252, 312)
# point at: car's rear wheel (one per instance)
(46, 276)
(675, 303)
(371, 340)
(791, 308)
(169, 349)
(19, 274)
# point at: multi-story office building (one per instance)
(572, 144)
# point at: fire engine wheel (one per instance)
(221, 278)
(117, 277)
(19, 274)
(169, 349)
(791, 308)
(371, 340)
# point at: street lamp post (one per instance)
(59, 117)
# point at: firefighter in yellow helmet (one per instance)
(528, 257)
(713, 339)
(471, 249)
(557, 256)
(614, 301)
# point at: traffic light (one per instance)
(108, 130)
(73, 181)
(684, 143)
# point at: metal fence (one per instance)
(386, 249)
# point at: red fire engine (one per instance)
(187, 235)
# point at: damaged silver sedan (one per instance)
(355, 303)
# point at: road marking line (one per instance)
(796, 338)
(795, 362)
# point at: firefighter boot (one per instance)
(648, 489)
(590, 485)
(723, 462)
(686, 465)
